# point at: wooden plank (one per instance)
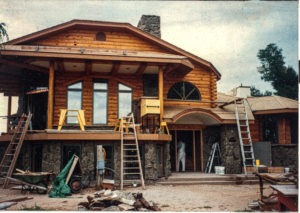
(15, 199)
(23, 65)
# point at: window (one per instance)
(74, 99)
(150, 85)
(100, 103)
(270, 129)
(100, 36)
(184, 91)
(125, 100)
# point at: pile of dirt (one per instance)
(108, 200)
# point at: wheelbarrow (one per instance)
(33, 181)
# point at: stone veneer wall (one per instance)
(167, 160)
(51, 157)
(285, 155)
(117, 160)
(87, 160)
(150, 161)
(230, 149)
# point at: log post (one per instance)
(50, 96)
(160, 93)
(8, 114)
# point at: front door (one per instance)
(186, 150)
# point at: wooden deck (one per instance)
(93, 135)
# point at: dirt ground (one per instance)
(195, 198)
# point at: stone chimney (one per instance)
(150, 24)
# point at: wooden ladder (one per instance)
(244, 135)
(14, 147)
(131, 166)
(214, 154)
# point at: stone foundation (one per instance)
(230, 149)
(87, 160)
(285, 155)
(167, 160)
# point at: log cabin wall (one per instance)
(256, 130)
(87, 38)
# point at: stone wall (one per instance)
(117, 160)
(230, 149)
(285, 155)
(150, 24)
(51, 157)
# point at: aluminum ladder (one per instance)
(244, 134)
(214, 154)
(14, 147)
(131, 166)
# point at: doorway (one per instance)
(193, 149)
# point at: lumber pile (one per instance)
(108, 200)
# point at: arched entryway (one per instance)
(188, 126)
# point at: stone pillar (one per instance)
(230, 149)
(150, 24)
(167, 159)
(150, 161)
(117, 160)
(51, 157)
(87, 160)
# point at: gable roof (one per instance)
(113, 26)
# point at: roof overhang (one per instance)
(275, 111)
(140, 59)
(114, 26)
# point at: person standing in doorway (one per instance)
(181, 156)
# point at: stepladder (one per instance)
(131, 165)
(242, 120)
(214, 157)
(14, 147)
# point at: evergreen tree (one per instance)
(3, 32)
(283, 79)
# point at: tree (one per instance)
(283, 79)
(3, 32)
(257, 93)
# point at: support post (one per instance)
(8, 114)
(50, 96)
(160, 93)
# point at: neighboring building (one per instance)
(108, 69)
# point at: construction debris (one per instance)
(108, 200)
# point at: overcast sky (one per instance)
(228, 34)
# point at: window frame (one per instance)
(183, 98)
(81, 98)
(124, 92)
(100, 90)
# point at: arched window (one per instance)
(100, 36)
(184, 91)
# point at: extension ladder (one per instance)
(244, 135)
(131, 166)
(14, 147)
(214, 154)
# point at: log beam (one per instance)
(160, 92)
(50, 96)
